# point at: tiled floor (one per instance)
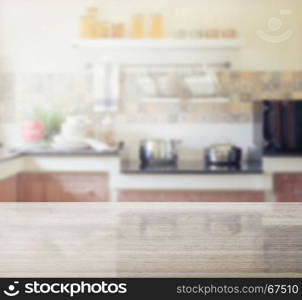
(150, 240)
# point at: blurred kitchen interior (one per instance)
(98, 74)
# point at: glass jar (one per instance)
(137, 27)
(229, 34)
(118, 31)
(89, 23)
(156, 30)
(213, 33)
(103, 30)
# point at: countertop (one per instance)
(88, 152)
(272, 163)
(125, 175)
(197, 240)
(9, 155)
(190, 167)
(282, 154)
(5, 156)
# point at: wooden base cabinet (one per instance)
(191, 196)
(8, 189)
(288, 187)
(62, 187)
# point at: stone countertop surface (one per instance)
(6, 156)
(270, 163)
(114, 152)
(282, 154)
(9, 155)
(197, 240)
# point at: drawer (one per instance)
(8, 190)
(288, 187)
(63, 187)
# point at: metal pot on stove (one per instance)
(223, 154)
(158, 151)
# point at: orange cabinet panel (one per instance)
(84, 188)
(62, 187)
(191, 196)
(288, 187)
(8, 190)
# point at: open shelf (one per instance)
(195, 100)
(161, 51)
(160, 43)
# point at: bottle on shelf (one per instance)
(213, 33)
(89, 22)
(157, 28)
(229, 34)
(118, 30)
(137, 27)
(103, 30)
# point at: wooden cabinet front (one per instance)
(8, 189)
(62, 187)
(191, 196)
(288, 187)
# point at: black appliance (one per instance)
(282, 127)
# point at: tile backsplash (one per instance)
(197, 123)
(20, 92)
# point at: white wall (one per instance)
(36, 35)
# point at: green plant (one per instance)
(51, 119)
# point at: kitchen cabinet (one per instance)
(63, 187)
(8, 189)
(191, 196)
(288, 187)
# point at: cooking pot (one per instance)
(223, 154)
(158, 152)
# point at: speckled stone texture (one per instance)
(150, 240)
(20, 92)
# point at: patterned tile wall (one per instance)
(20, 92)
(243, 88)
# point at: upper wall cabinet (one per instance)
(162, 51)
